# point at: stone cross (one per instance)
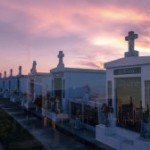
(60, 56)
(130, 38)
(11, 72)
(5, 74)
(20, 70)
(33, 69)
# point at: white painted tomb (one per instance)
(128, 93)
(37, 88)
(75, 84)
(17, 86)
(6, 86)
(12, 86)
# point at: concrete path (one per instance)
(50, 138)
(1, 147)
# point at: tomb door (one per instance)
(9, 85)
(18, 85)
(58, 88)
(128, 102)
(31, 88)
(76, 110)
(146, 112)
(90, 115)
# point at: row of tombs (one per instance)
(59, 94)
(112, 102)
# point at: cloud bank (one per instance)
(90, 32)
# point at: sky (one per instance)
(89, 32)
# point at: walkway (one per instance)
(1, 147)
(52, 139)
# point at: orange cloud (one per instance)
(107, 40)
(121, 14)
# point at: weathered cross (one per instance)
(33, 69)
(20, 70)
(11, 72)
(5, 74)
(60, 56)
(130, 38)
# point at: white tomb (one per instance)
(17, 87)
(75, 84)
(128, 93)
(37, 86)
(6, 85)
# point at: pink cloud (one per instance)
(88, 30)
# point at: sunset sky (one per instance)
(90, 32)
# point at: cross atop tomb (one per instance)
(33, 69)
(20, 70)
(130, 38)
(11, 72)
(4, 74)
(60, 63)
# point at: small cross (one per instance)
(11, 72)
(130, 38)
(60, 56)
(20, 70)
(5, 74)
(33, 69)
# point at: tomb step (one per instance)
(123, 139)
(122, 142)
